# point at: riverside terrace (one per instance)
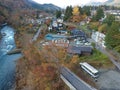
(76, 43)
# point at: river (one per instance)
(7, 62)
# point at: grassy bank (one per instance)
(97, 59)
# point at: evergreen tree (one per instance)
(109, 20)
(81, 11)
(86, 10)
(113, 36)
(58, 14)
(68, 13)
(99, 14)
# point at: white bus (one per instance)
(89, 69)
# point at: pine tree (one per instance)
(99, 14)
(86, 10)
(109, 20)
(68, 13)
(58, 14)
(81, 11)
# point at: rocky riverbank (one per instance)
(14, 51)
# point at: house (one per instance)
(50, 27)
(85, 21)
(78, 34)
(81, 50)
(55, 24)
(60, 20)
(60, 26)
(62, 32)
(81, 42)
(82, 23)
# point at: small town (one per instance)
(50, 47)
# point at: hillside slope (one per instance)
(113, 3)
(44, 7)
(109, 2)
(10, 9)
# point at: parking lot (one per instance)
(109, 80)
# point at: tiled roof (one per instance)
(77, 32)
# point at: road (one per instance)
(103, 50)
(74, 80)
(37, 34)
(117, 64)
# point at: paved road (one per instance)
(74, 80)
(108, 80)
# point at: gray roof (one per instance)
(79, 50)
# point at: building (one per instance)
(81, 50)
(63, 32)
(99, 38)
(60, 42)
(54, 24)
(78, 34)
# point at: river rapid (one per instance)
(7, 62)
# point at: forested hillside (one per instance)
(12, 11)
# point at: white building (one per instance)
(55, 24)
(99, 38)
(60, 20)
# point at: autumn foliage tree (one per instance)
(42, 67)
(77, 14)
